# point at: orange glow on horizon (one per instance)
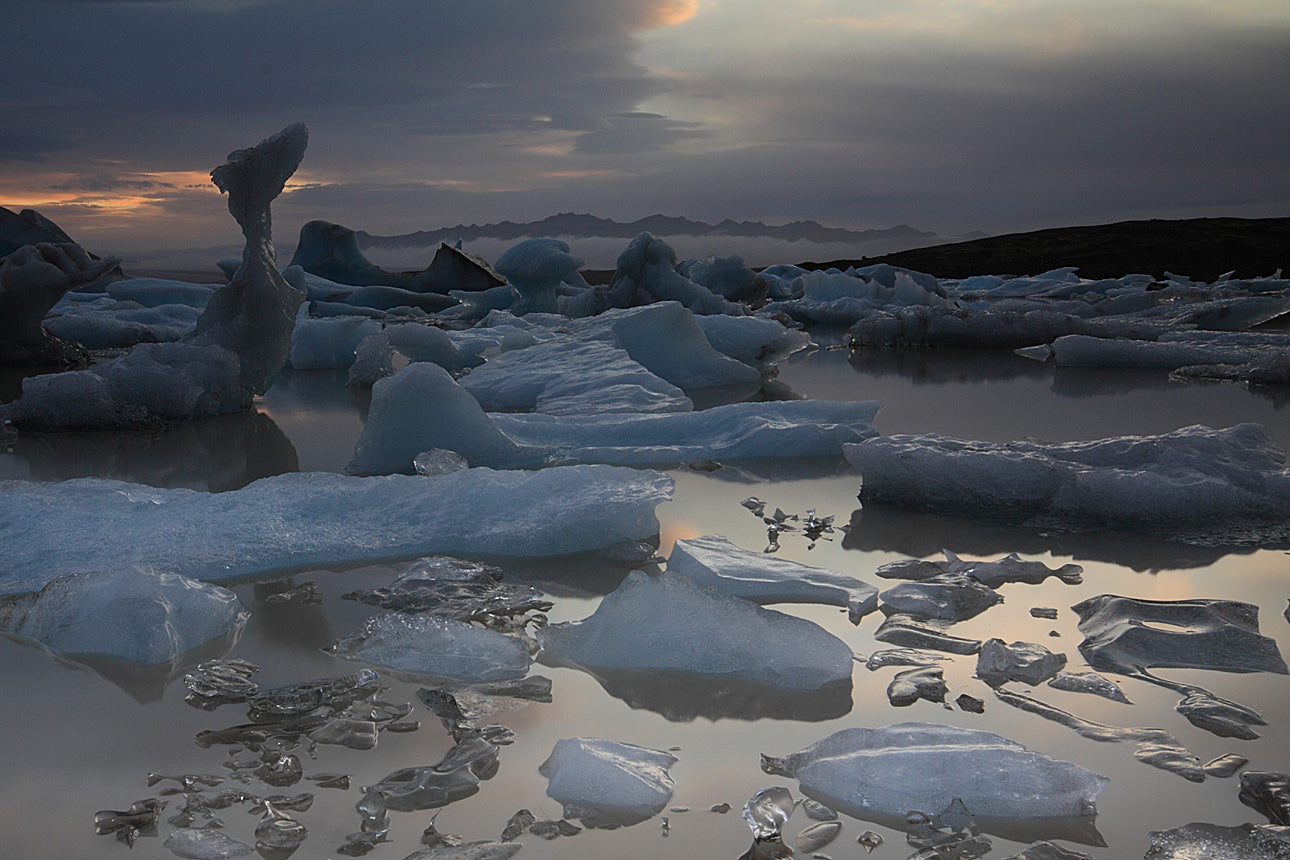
(669, 13)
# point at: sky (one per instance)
(947, 115)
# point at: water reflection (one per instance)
(945, 365)
(683, 697)
(921, 534)
(224, 452)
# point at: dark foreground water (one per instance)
(78, 740)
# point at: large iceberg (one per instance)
(669, 624)
(130, 614)
(422, 407)
(1192, 484)
(714, 562)
(299, 519)
(889, 771)
(238, 345)
(608, 784)
(647, 272)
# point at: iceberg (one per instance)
(535, 269)
(238, 344)
(122, 325)
(668, 623)
(128, 614)
(728, 277)
(422, 407)
(714, 562)
(436, 647)
(755, 341)
(315, 518)
(33, 279)
(155, 292)
(891, 770)
(608, 784)
(647, 272)
(324, 344)
(1193, 484)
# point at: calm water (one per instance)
(78, 741)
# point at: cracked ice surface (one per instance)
(308, 518)
(1193, 484)
(896, 768)
(668, 623)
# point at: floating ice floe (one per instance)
(608, 784)
(948, 597)
(1045, 850)
(889, 771)
(1243, 842)
(121, 325)
(999, 662)
(923, 682)
(669, 624)
(911, 632)
(1088, 682)
(155, 292)
(422, 407)
(299, 519)
(128, 614)
(332, 342)
(714, 562)
(1171, 351)
(842, 298)
(1192, 484)
(1010, 568)
(1127, 635)
(431, 646)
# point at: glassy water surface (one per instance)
(82, 739)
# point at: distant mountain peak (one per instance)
(583, 225)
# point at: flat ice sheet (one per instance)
(311, 518)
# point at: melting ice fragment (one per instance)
(1215, 714)
(1225, 765)
(998, 662)
(714, 562)
(866, 772)
(949, 597)
(129, 614)
(1088, 682)
(1047, 851)
(427, 645)
(816, 836)
(768, 811)
(205, 844)
(220, 682)
(925, 682)
(909, 632)
(1267, 793)
(1215, 842)
(1126, 635)
(668, 623)
(607, 784)
(139, 820)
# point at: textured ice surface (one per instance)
(1268, 793)
(122, 325)
(752, 340)
(842, 298)
(1010, 568)
(728, 277)
(422, 407)
(647, 272)
(129, 614)
(910, 632)
(205, 844)
(299, 519)
(924, 682)
(322, 344)
(1215, 842)
(428, 645)
(468, 851)
(1047, 851)
(535, 269)
(1127, 634)
(668, 623)
(154, 292)
(714, 562)
(571, 378)
(1190, 483)
(606, 784)
(897, 768)
(1088, 682)
(999, 662)
(768, 811)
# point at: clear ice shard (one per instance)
(865, 772)
(608, 784)
(1193, 484)
(816, 836)
(411, 789)
(431, 646)
(1127, 635)
(668, 623)
(128, 824)
(305, 518)
(128, 614)
(714, 562)
(768, 811)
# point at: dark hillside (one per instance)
(1201, 248)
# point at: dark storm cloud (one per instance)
(32, 145)
(636, 132)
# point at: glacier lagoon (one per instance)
(84, 736)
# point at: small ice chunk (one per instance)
(412, 789)
(925, 682)
(768, 811)
(205, 844)
(668, 623)
(817, 811)
(906, 631)
(1267, 793)
(468, 851)
(902, 657)
(607, 784)
(1047, 851)
(948, 597)
(219, 682)
(971, 704)
(1225, 765)
(1225, 718)
(998, 662)
(1088, 682)
(129, 614)
(128, 824)
(816, 836)
(862, 771)
(427, 645)
(714, 562)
